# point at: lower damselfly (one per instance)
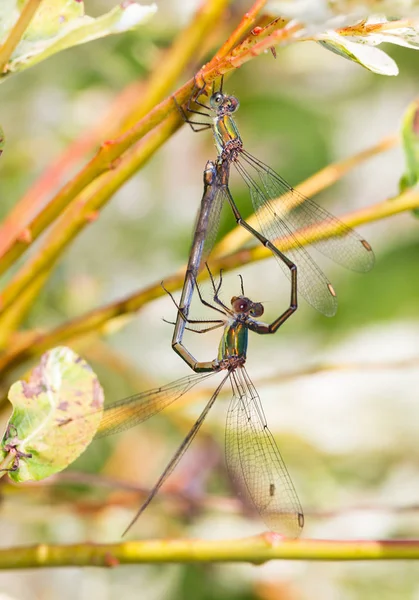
(286, 217)
(253, 460)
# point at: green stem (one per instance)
(255, 550)
(16, 33)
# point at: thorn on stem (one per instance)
(25, 236)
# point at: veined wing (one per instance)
(346, 247)
(179, 452)
(255, 463)
(296, 221)
(313, 284)
(129, 412)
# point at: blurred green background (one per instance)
(348, 435)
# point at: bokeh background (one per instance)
(341, 394)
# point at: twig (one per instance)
(256, 550)
(16, 33)
(246, 22)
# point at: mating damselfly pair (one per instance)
(288, 222)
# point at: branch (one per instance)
(244, 25)
(256, 550)
(17, 31)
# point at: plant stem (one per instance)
(104, 160)
(246, 22)
(24, 288)
(256, 550)
(16, 33)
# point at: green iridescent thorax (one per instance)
(225, 131)
(234, 341)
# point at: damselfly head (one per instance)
(242, 305)
(224, 104)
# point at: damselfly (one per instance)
(253, 458)
(291, 222)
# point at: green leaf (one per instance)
(61, 24)
(63, 390)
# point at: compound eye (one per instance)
(240, 304)
(216, 99)
(257, 310)
(233, 104)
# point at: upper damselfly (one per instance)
(291, 222)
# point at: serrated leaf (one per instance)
(367, 56)
(61, 24)
(55, 415)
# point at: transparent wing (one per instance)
(254, 462)
(129, 412)
(300, 220)
(346, 247)
(179, 452)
